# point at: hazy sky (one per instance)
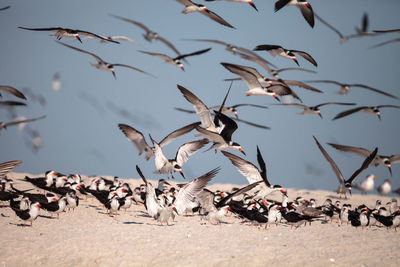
(80, 133)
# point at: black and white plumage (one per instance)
(168, 166)
(345, 87)
(4, 125)
(70, 33)
(28, 215)
(222, 140)
(103, 65)
(176, 61)
(137, 138)
(277, 50)
(13, 91)
(314, 109)
(252, 173)
(191, 7)
(366, 109)
(345, 185)
(303, 5)
(379, 159)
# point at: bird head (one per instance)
(77, 37)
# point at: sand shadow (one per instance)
(133, 223)
(47, 217)
(5, 216)
(23, 225)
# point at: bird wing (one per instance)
(206, 199)
(96, 36)
(365, 165)
(393, 159)
(212, 136)
(305, 56)
(12, 103)
(330, 26)
(335, 168)
(216, 18)
(249, 105)
(8, 166)
(159, 158)
(83, 51)
(179, 132)
(199, 52)
(24, 121)
(201, 109)
(230, 125)
(239, 191)
(189, 191)
(248, 77)
(293, 105)
(385, 43)
(348, 112)
(280, 3)
(4, 8)
(133, 68)
(209, 41)
(246, 168)
(162, 56)
(302, 85)
(357, 150)
(13, 91)
(373, 89)
(140, 25)
(43, 29)
(263, 172)
(186, 150)
(335, 103)
(169, 44)
(252, 123)
(135, 137)
(308, 14)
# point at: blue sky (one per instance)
(80, 133)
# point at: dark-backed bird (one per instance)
(313, 109)
(277, 50)
(303, 5)
(367, 109)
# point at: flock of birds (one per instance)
(217, 125)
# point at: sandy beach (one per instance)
(89, 237)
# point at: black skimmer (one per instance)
(4, 125)
(13, 91)
(72, 200)
(252, 173)
(274, 215)
(28, 215)
(254, 85)
(342, 37)
(277, 50)
(345, 185)
(366, 185)
(345, 87)
(380, 159)
(149, 35)
(23, 204)
(385, 188)
(176, 60)
(57, 206)
(140, 143)
(169, 166)
(367, 109)
(191, 7)
(391, 221)
(113, 205)
(103, 65)
(70, 33)
(303, 5)
(312, 109)
(222, 140)
(250, 2)
(41, 182)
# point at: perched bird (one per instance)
(103, 65)
(191, 7)
(385, 188)
(367, 185)
(345, 87)
(28, 215)
(367, 109)
(380, 159)
(176, 60)
(140, 143)
(277, 50)
(313, 109)
(303, 5)
(13, 91)
(345, 185)
(113, 205)
(242, 1)
(68, 33)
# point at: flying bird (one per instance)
(251, 3)
(367, 109)
(70, 33)
(191, 7)
(380, 159)
(149, 35)
(313, 109)
(4, 125)
(303, 5)
(176, 60)
(140, 143)
(103, 65)
(345, 185)
(277, 50)
(345, 87)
